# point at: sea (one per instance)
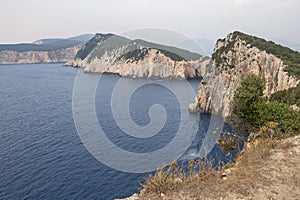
(42, 155)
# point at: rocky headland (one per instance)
(109, 53)
(235, 58)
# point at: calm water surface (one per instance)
(41, 154)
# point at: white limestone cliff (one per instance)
(220, 81)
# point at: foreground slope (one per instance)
(267, 170)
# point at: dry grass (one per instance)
(243, 176)
(204, 182)
(170, 178)
(164, 179)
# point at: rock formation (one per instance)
(108, 53)
(234, 59)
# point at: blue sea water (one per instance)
(41, 154)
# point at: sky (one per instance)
(29, 20)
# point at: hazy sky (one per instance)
(28, 20)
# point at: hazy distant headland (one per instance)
(42, 51)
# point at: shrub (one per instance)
(248, 96)
(287, 119)
(250, 105)
(290, 96)
(228, 143)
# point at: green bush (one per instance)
(250, 105)
(288, 120)
(248, 96)
(290, 96)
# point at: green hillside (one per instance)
(105, 43)
(170, 51)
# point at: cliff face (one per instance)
(60, 55)
(108, 53)
(234, 59)
(153, 64)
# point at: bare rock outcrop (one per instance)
(153, 64)
(109, 53)
(234, 59)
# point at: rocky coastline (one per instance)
(30, 57)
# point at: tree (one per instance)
(250, 105)
(248, 97)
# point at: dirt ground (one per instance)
(267, 169)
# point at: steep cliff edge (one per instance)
(109, 53)
(234, 58)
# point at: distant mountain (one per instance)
(44, 50)
(109, 53)
(289, 44)
(76, 39)
(82, 38)
(296, 47)
(46, 44)
(207, 45)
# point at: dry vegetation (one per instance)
(267, 168)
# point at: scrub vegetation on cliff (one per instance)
(289, 57)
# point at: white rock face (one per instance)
(153, 64)
(219, 83)
(60, 55)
